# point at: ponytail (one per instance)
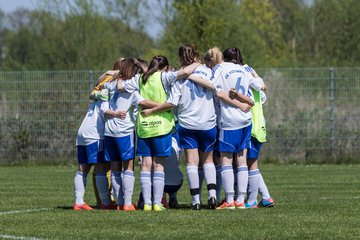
(156, 64)
(233, 55)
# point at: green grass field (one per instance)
(312, 202)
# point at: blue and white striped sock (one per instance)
(253, 186)
(158, 186)
(227, 176)
(79, 187)
(242, 182)
(117, 187)
(129, 180)
(102, 186)
(145, 180)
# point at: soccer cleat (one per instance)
(147, 207)
(239, 205)
(127, 208)
(226, 205)
(108, 207)
(266, 202)
(163, 201)
(221, 203)
(173, 203)
(158, 207)
(251, 205)
(212, 203)
(196, 207)
(84, 206)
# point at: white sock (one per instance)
(158, 186)
(145, 180)
(210, 176)
(227, 175)
(129, 180)
(102, 186)
(117, 187)
(79, 187)
(242, 182)
(193, 180)
(218, 182)
(201, 180)
(253, 186)
(263, 188)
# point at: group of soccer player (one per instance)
(213, 111)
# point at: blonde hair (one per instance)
(213, 56)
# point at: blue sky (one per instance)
(11, 5)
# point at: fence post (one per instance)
(332, 128)
(91, 79)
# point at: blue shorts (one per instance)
(254, 149)
(120, 148)
(92, 153)
(201, 139)
(176, 134)
(234, 141)
(160, 146)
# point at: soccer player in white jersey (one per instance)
(154, 132)
(119, 134)
(197, 125)
(256, 181)
(89, 142)
(234, 130)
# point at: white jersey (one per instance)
(167, 78)
(262, 93)
(173, 175)
(226, 76)
(195, 103)
(93, 124)
(124, 101)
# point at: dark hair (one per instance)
(157, 63)
(129, 68)
(188, 54)
(117, 64)
(233, 55)
(144, 64)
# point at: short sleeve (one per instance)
(175, 94)
(168, 78)
(132, 84)
(136, 98)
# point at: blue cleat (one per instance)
(267, 202)
(251, 205)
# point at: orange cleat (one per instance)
(127, 208)
(226, 205)
(239, 205)
(84, 206)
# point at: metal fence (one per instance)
(312, 114)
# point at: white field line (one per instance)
(337, 198)
(25, 211)
(15, 237)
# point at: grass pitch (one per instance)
(312, 202)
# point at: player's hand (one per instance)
(146, 112)
(120, 114)
(245, 107)
(232, 93)
(264, 87)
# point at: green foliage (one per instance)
(78, 40)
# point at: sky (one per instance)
(10, 5)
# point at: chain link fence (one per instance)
(312, 114)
